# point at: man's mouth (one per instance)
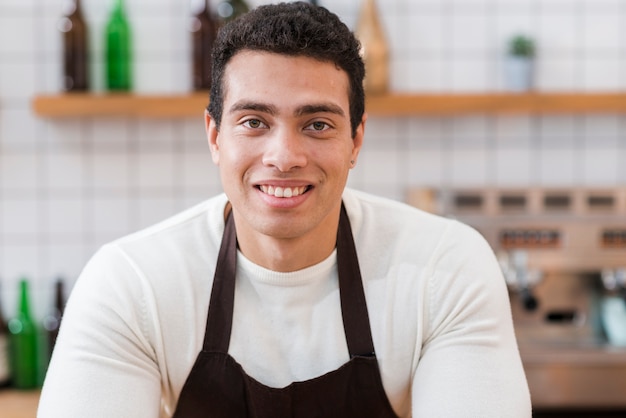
(278, 191)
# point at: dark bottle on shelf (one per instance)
(5, 371)
(203, 32)
(52, 321)
(228, 10)
(118, 47)
(23, 347)
(75, 48)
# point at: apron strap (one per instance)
(356, 321)
(353, 305)
(220, 319)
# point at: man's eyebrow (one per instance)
(300, 111)
(256, 106)
(319, 108)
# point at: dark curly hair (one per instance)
(297, 29)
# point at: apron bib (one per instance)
(218, 387)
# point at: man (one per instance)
(322, 301)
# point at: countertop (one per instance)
(19, 404)
(583, 355)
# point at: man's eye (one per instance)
(318, 126)
(254, 124)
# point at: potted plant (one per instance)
(520, 63)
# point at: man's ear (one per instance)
(212, 136)
(358, 139)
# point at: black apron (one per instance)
(218, 387)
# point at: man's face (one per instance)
(284, 147)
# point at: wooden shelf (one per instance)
(396, 104)
(121, 104)
(526, 103)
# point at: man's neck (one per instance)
(288, 254)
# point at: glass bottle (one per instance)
(75, 48)
(228, 10)
(118, 48)
(52, 321)
(5, 372)
(23, 343)
(374, 49)
(203, 33)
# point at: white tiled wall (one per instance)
(67, 186)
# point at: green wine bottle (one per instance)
(118, 48)
(24, 352)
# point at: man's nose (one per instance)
(285, 151)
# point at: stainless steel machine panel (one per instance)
(563, 255)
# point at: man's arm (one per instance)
(470, 364)
(103, 364)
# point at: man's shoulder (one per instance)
(369, 208)
(206, 213)
(398, 221)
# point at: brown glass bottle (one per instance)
(203, 32)
(5, 371)
(75, 50)
(52, 321)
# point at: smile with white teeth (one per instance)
(283, 191)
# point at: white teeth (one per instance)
(283, 191)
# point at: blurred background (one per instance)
(68, 185)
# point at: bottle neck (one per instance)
(2, 320)
(59, 297)
(24, 305)
(119, 7)
(72, 8)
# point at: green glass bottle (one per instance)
(228, 10)
(23, 343)
(119, 69)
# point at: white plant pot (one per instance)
(519, 73)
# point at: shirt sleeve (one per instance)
(469, 363)
(103, 364)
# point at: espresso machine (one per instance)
(563, 256)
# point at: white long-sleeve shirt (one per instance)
(438, 307)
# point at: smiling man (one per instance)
(289, 295)
(284, 148)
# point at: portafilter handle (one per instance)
(517, 274)
(529, 301)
